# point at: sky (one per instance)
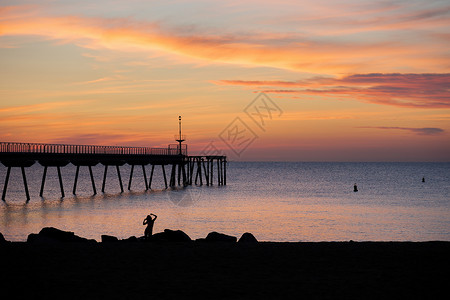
(344, 80)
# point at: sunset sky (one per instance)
(347, 80)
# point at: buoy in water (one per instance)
(423, 179)
(355, 188)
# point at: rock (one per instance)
(57, 234)
(131, 239)
(248, 238)
(170, 236)
(53, 235)
(2, 239)
(219, 237)
(109, 239)
(34, 238)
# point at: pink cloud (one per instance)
(404, 90)
(419, 131)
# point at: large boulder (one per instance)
(109, 239)
(170, 236)
(248, 238)
(2, 239)
(54, 235)
(219, 237)
(131, 239)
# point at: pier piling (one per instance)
(60, 181)
(92, 180)
(24, 177)
(24, 155)
(131, 177)
(5, 186)
(44, 175)
(104, 178)
(75, 181)
(120, 178)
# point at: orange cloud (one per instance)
(404, 90)
(295, 52)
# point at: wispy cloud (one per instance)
(404, 90)
(419, 131)
(40, 107)
(293, 51)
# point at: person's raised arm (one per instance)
(154, 216)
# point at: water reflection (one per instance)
(274, 201)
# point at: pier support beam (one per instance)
(44, 175)
(5, 187)
(118, 175)
(76, 180)
(24, 177)
(212, 170)
(104, 178)
(12, 163)
(131, 177)
(60, 181)
(183, 168)
(92, 180)
(120, 178)
(59, 178)
(206, 171)
(145, 177)
(164, 173)
(151, 178)
(172, 176)
(225, 172)
(25, 183)
(191, 166)
(219, 173)
(199, 171)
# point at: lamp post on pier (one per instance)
(180, 138)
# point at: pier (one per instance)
(185, 170)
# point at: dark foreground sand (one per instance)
(328, 270)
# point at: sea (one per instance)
(275, 201)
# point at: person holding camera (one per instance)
(149, 221)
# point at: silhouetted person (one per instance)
(355, 188)
(149, 221)
(423, 179)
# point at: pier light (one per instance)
(180, 138)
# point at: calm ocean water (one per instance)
(276, 201)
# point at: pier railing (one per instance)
(12, 147)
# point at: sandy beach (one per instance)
(224, 270)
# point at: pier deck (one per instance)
(25, 155)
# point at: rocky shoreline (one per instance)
(50, 235)
(56, 264)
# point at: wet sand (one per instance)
(327, 270)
